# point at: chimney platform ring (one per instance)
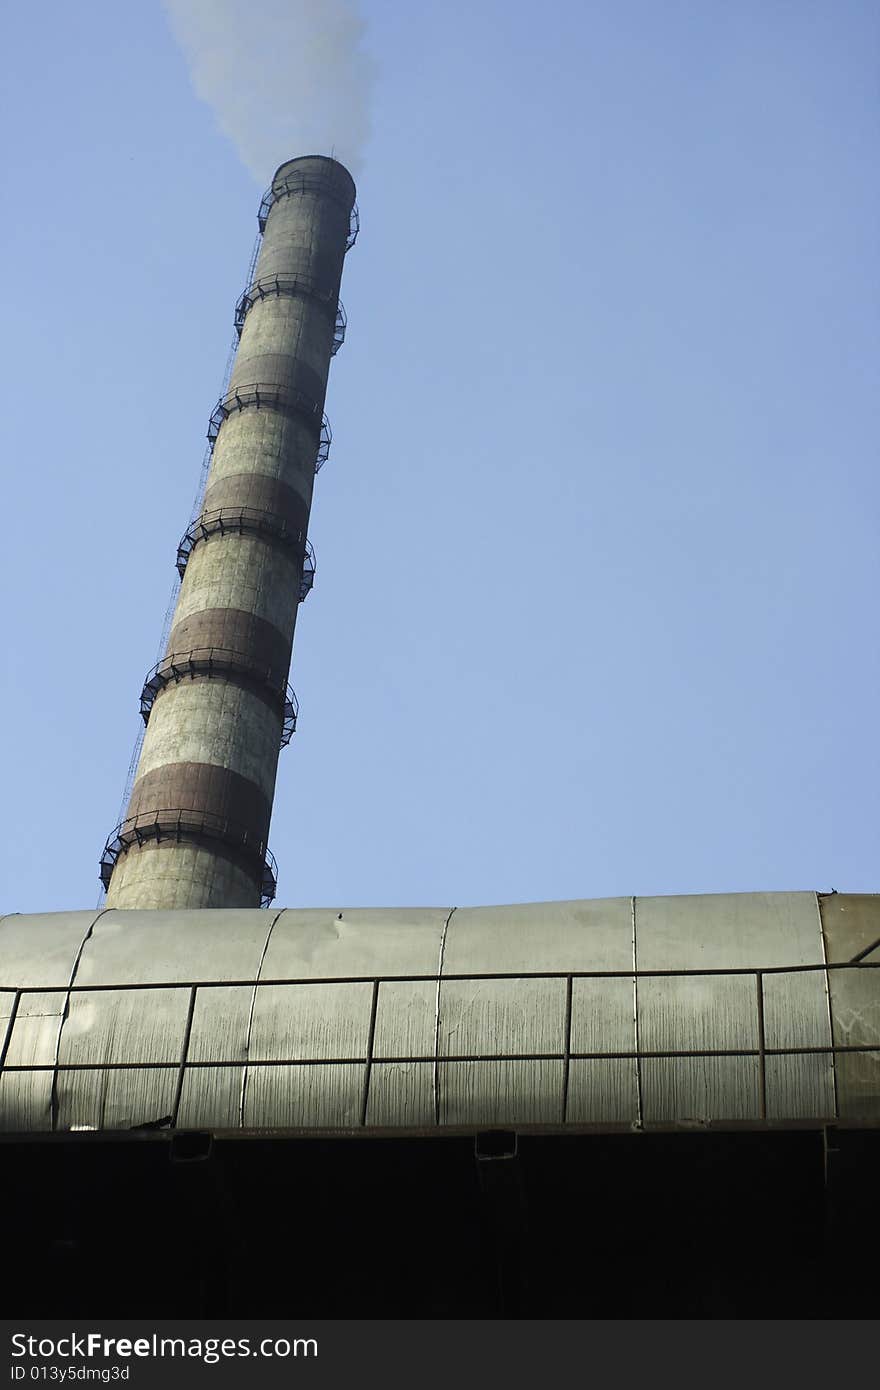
(309, 182)
(177, 824)
(248, 521)
(221, 661)
(281, 286)
(269, 396)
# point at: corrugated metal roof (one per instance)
(344, 1018)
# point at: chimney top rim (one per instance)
(337, 167)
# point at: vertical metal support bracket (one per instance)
(762, 1055)
(368, 1062)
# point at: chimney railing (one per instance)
(291, 286)
(221, 661)
(178, 825)
(270, 396)
(311, 181)
(248, 521)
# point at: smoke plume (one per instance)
(283, 77)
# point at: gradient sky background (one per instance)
(595, 607)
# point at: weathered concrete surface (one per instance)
(195, 715)
(242, 572)
(240, 590)
(186, 876)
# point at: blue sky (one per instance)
(597, 560)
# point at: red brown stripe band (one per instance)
(204, 788)
(262, 493)
(232, 629)
(283, 370)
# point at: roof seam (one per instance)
(53, 1099)
(828, 1010)
(436, 1075)
(250, 1022)
(635, 964)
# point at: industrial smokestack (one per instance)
(217, 707)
